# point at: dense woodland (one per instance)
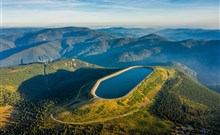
(181, 101)
(33, 119)
(184, 102)
(9, 98)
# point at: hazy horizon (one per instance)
(111, 13)
(106, 27)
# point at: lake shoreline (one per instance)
(98, 82)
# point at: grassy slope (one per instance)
(64, 77)
(99, 110)
(184, 101)
(5, 115)
(13, 77)
(61, 79)
(181, 100)
(180, 67)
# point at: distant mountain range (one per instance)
(183, 34)
(115, 48)
(171, 34)
(127, 32)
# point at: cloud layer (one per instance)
(148, 13)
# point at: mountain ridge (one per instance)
(38, 90)
(175, 34)
(106, 50)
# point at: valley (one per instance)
(109, 50)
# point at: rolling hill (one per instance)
(30, 91)
(48, 44)
(199, 55)
(5, 45)
(172, 34)
(38, 81)
(184, 34)
(18, 31)
(110, 51)
(34, 91)
(127, 32)
(9, 35)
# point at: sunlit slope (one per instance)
(166, 98)
(5, 113)
(30, 92)
(165, 101)
(184, 101)
(59, 79)
(109, 50)
(12, 77)
(100, 110)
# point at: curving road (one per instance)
(98, 120)
(92, 92)
(77, 96)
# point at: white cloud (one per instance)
(108, 12)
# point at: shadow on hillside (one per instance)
(15, 50)
(61, 85)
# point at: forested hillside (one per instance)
(110, 50)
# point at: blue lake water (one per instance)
(120, 85)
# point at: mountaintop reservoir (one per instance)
(120, 85)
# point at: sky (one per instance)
(111, 13)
